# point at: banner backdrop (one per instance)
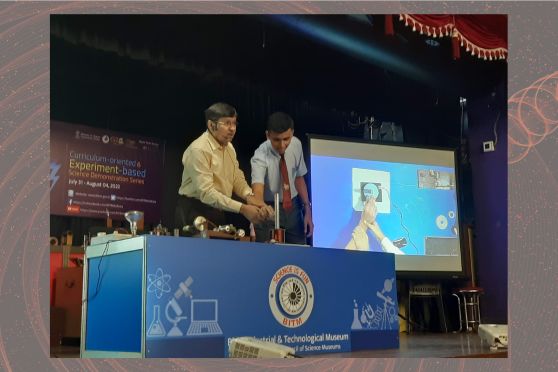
(97, 171)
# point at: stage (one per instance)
(431, 345)
(416, 345)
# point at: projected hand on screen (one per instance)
(369, 213)
(359, 238)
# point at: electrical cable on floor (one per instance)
(414, 324)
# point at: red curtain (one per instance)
(482, 35)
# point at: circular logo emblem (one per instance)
(291, 296)
(105, 139)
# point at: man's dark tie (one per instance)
(287, 203)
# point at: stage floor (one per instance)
(415, 345)
(431, 345)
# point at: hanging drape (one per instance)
(482, 35)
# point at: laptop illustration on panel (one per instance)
(204, 315)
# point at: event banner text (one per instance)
(98, 173)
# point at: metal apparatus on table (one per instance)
(201, 226)
(277, 234)
(133, 217)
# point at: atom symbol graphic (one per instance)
(158, 283)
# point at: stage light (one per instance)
(350, 44)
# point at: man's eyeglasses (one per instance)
(228, 124)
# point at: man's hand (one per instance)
(308, 224)
(252, 213)
(252, 200)
(266, 211)
(369, 212)
(378, 233)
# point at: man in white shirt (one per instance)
(212, 174)
(278, 167)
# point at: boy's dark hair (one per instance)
(279, 122)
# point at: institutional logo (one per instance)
(291, 296)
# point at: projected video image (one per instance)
(413, 206)
(370, 184)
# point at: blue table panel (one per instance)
(333, 301)
(114, 302)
